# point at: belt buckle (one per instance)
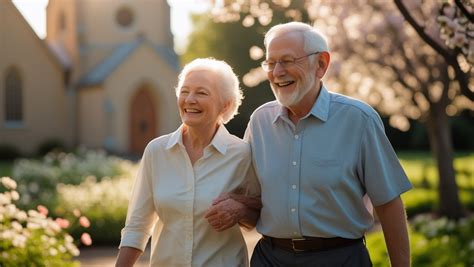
(293, 244)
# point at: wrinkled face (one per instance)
(199, 100)
(290, 84)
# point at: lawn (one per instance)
(6, 168)
(421, 170)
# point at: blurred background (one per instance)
(86, 84)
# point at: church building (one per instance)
(104, 77)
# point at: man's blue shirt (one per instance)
(314, 175)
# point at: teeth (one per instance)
(282, 84)
(192, 110)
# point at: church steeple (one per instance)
(89, 30)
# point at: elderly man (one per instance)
(316, 155)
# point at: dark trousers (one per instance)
(267, 255)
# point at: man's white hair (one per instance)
(314, 40)
(227, 82)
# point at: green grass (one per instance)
(422, 172)
(6, 168)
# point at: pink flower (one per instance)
(42, 209)
(84, 222)
(86, 239)
(63, 223)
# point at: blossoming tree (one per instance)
(412, 60)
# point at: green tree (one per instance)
(240, 46)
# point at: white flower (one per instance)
(53, 252)
(19, 241)
(14, 195)
(68, 238)
(17, 226)
(62, 249)
(52, 241)
(5, 198)
(21, 216)
(33, 226)
(72, 249)
(10, 210)
(8, 182)
(7, 234)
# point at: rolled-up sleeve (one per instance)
(141, 215)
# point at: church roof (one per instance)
(101, 71)
(61, 54)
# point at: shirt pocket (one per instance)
(326, 172)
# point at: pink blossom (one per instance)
(84, 222)
(63, 223)
(42, 209)
(86, 239)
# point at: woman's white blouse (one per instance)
(171, 196)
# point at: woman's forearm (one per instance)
(127, 256)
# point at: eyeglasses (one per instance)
(285, 63)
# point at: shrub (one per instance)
(30, 238)
(62, 168)
(104, 202)
(433, 242)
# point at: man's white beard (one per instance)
(294, 97)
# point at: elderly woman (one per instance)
(182, 172)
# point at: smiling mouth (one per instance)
(191, 110)
(284, 84)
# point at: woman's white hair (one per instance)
(314, 40)
(227, 82)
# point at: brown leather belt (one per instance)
(310, 243)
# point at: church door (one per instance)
(142, 120)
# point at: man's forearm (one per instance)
(249, 218)
(253, 203)
(393, 220)
(250, 214)
(230, 208)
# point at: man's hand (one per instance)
(224, 213)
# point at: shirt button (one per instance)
(293, 186)
(294, 163)
(293, 209)
(296, 136)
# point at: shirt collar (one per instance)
(219, 142)
(320, 107)
(175, 138)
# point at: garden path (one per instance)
(105, 256)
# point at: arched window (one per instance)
(62, 22)
(13, 97)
